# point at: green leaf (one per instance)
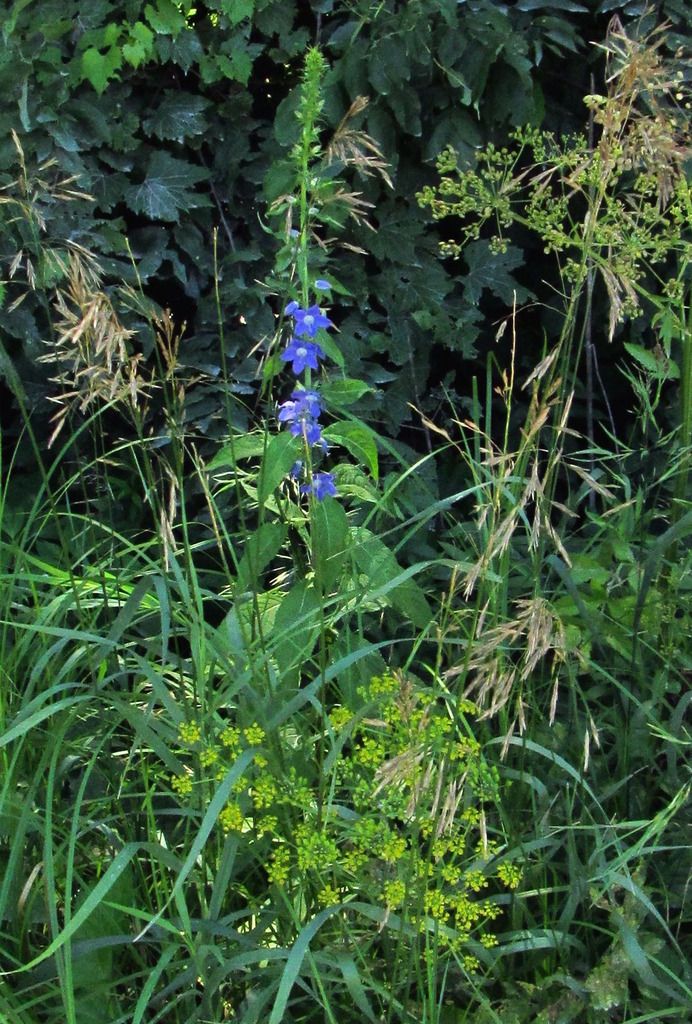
(295, 962)
(344, 392)
(389, 64)
(379, 567)
(281, 452)
(166, 18)
(296, 628)
(330, 533)
(555, 5)
(11, 22)
(237, 10)
(493, 272)
(245, 446)
(262, 546)
(237, 67)
(358, 440)
(140, 45)
(185, 49)
(98, 69)
(167, 188)
(178, 116)
(657, 366)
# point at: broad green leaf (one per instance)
(344, 392)
(167, 188)
(11, 21)
(389, 64)
(379, 566)
(330, 536)
(93, 961)
(237, 67)
(296, 628)
(262, 546)
(140, 45)
(165, 18)
(487, 270)
(93, 900)
(237, 10)
(184, 49)
(358, 440)
(99, 68)
(281, 453)
(178, 116)
(243, 447)
(552, 5)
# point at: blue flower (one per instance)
(307, 401)
(302, 354)
(322, 285)
(302, 413)
(310, 430)
(307, 321)
(321, 486)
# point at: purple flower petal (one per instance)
(302, 354)
(321, 486)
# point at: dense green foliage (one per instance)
(364, 700)
(179, 123)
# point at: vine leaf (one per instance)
(494, 272)
(178, 116)
(167, 188)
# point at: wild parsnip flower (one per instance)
(264, 792)
(279, 865)
(339, 717)
(182, 784)
(328, 896)
(209, 757)
(231, 818)
(314, 849)
(510, 874)
(230, 737)
(189, 732)
(254, 734)
(394, 892)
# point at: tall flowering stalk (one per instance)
(301, 412)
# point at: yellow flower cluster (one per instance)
(510, 874)
(209, 757)
(182, 784)
(230, 737)
(231, 818)
(189, 733)
(279, 865)
(339, 717)
(254, 735)
(314, 848)
(264, 792)
(390, 835)
(394, 892)
(328, 896)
